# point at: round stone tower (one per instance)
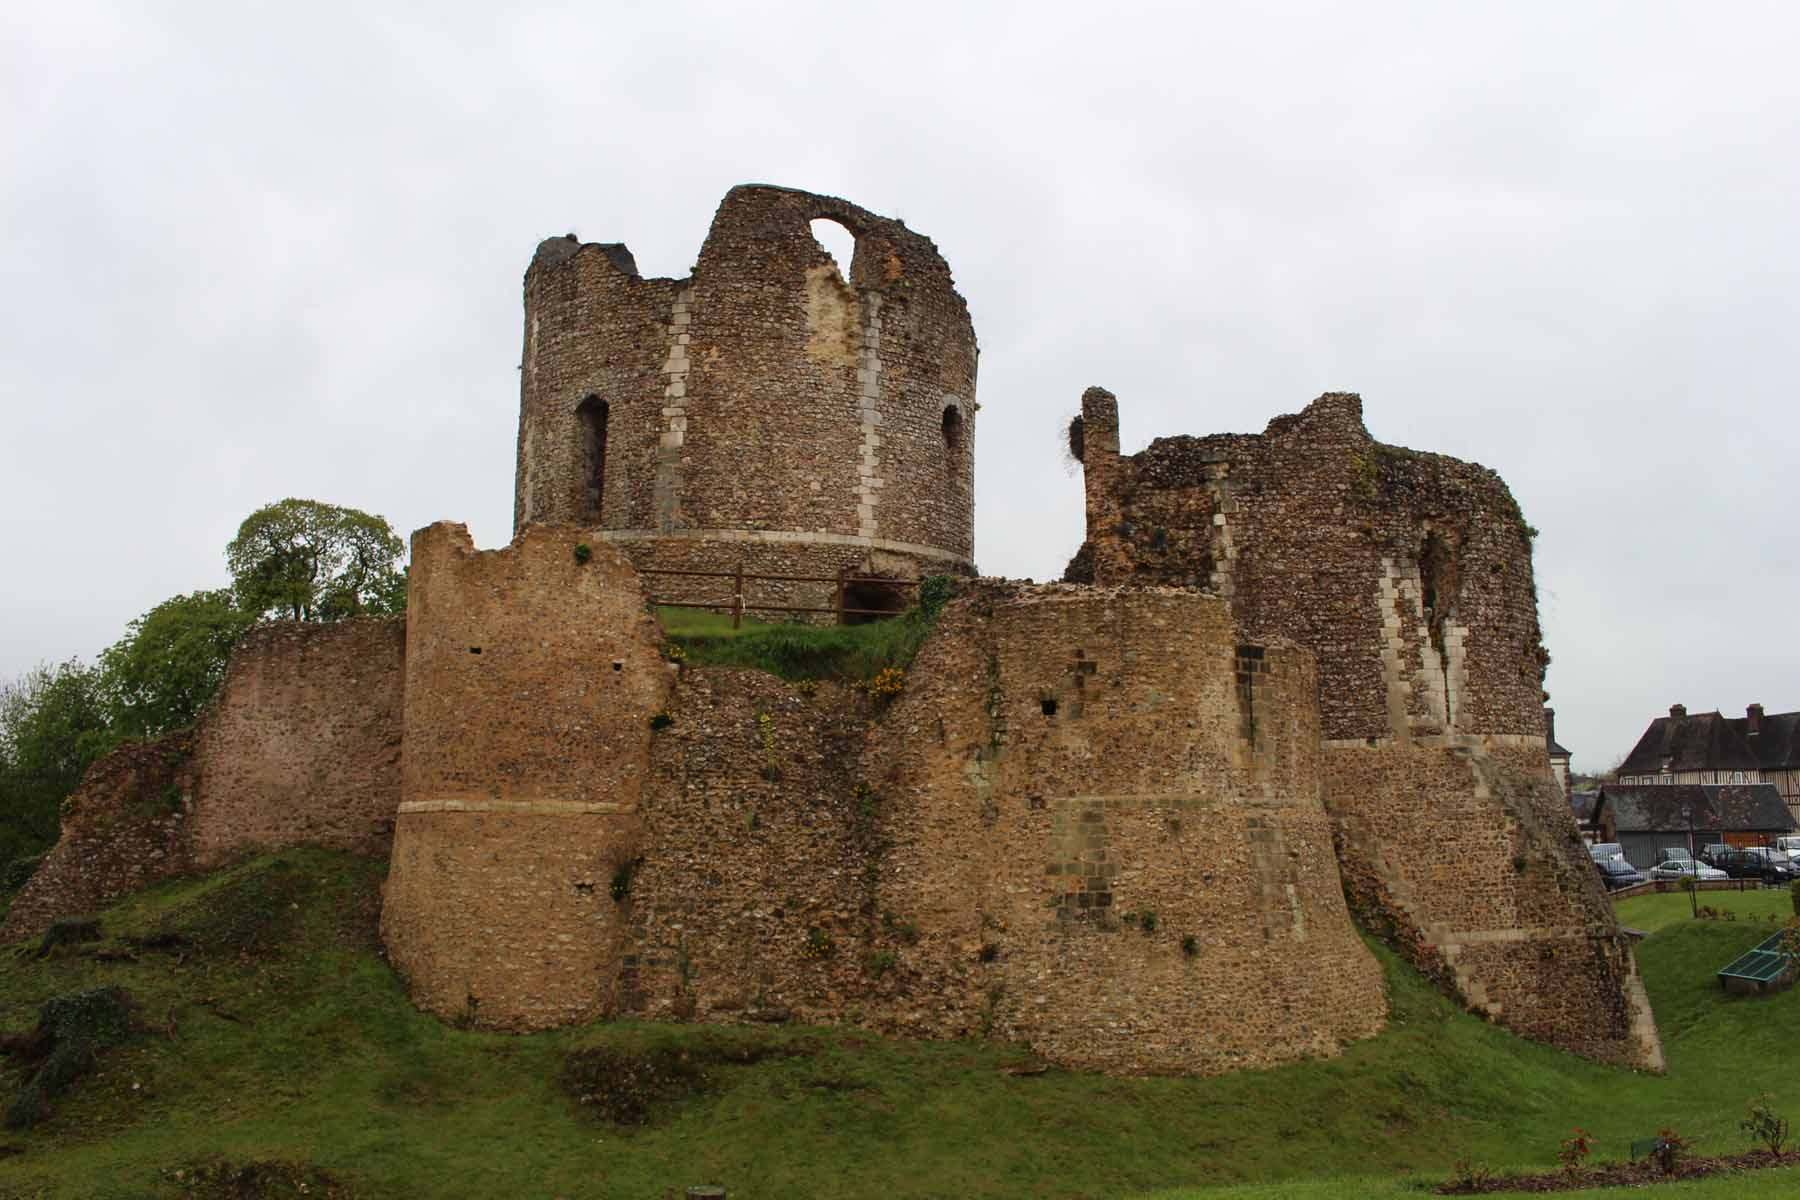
(763, 414)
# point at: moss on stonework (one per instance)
(71, 1031)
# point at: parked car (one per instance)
(1758, 862)
(1673, 854)
(1709, 854)
(1605, 850)
(1680, 868)
(1616, 873)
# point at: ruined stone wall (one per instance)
(752, 899)
(1409, 576)
(531, 677)
(1468, 857)
(762, 401)
(1408, 573)
(1132, 882)
(124, 828)
(302, 744)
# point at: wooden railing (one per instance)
(738, 606)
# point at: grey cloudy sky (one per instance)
(259, 250)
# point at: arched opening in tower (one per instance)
(837, 241)
(593, 415)
(953, 431)
(872, 600)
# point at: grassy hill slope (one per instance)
(272, 1030)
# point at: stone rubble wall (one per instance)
(966, 863)
(124, 828)
(1465, 853)
(302, 744)
(763, 395)
(531, 676)
(1408, 575)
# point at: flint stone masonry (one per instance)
(1409, 577)
(300, 747)
(1126, 820)
(302, 744)
(125, 828)
(967, 864)
(530, 680)
(765, 395)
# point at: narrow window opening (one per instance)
(1049, 707)
(594, 415)
(953, 430)
(837, 242)
(474, 649)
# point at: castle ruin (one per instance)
(1290, 682)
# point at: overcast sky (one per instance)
(253, 251)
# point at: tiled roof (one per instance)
(1777, 742)
(1666, 807)
(1697, 742)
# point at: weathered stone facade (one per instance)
(1088, 808)
(1293, 678)
(531, 676)
(300, 746)
(1409, 576)
(763, 413)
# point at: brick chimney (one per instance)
(1549, 724)
(1753, 719)
(1677, 711)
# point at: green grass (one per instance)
(1655, 913)
(327, 1064)
(795, 652)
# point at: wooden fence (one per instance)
(738, 605)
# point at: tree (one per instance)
(170, 662)
(53, 725)
(316, 562)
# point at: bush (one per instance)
(1764, 1124)
(1671, 1148)
(71, 1030)
(1575, 1148)
(17, 873)
(68, 932)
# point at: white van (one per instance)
(1789, 846)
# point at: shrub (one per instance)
(1190, 945)
(68, 932)
(622, 876)
(71, 1030)
(17, 873)
(1671, 1148)
(879, 962)
(583, 552)
(819, 943)
(1575, 1148)
(1764, 1124)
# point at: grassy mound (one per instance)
(794, 652)
(304, 1061)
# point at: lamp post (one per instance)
(1692, 877)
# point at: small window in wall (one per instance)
(953, 430)
(836, 241)
(593, 415)
(871, 600)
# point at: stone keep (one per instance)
(765, 412)
(1291, 678)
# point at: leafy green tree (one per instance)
(310, 561)
(53, 725)
(171, 661)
